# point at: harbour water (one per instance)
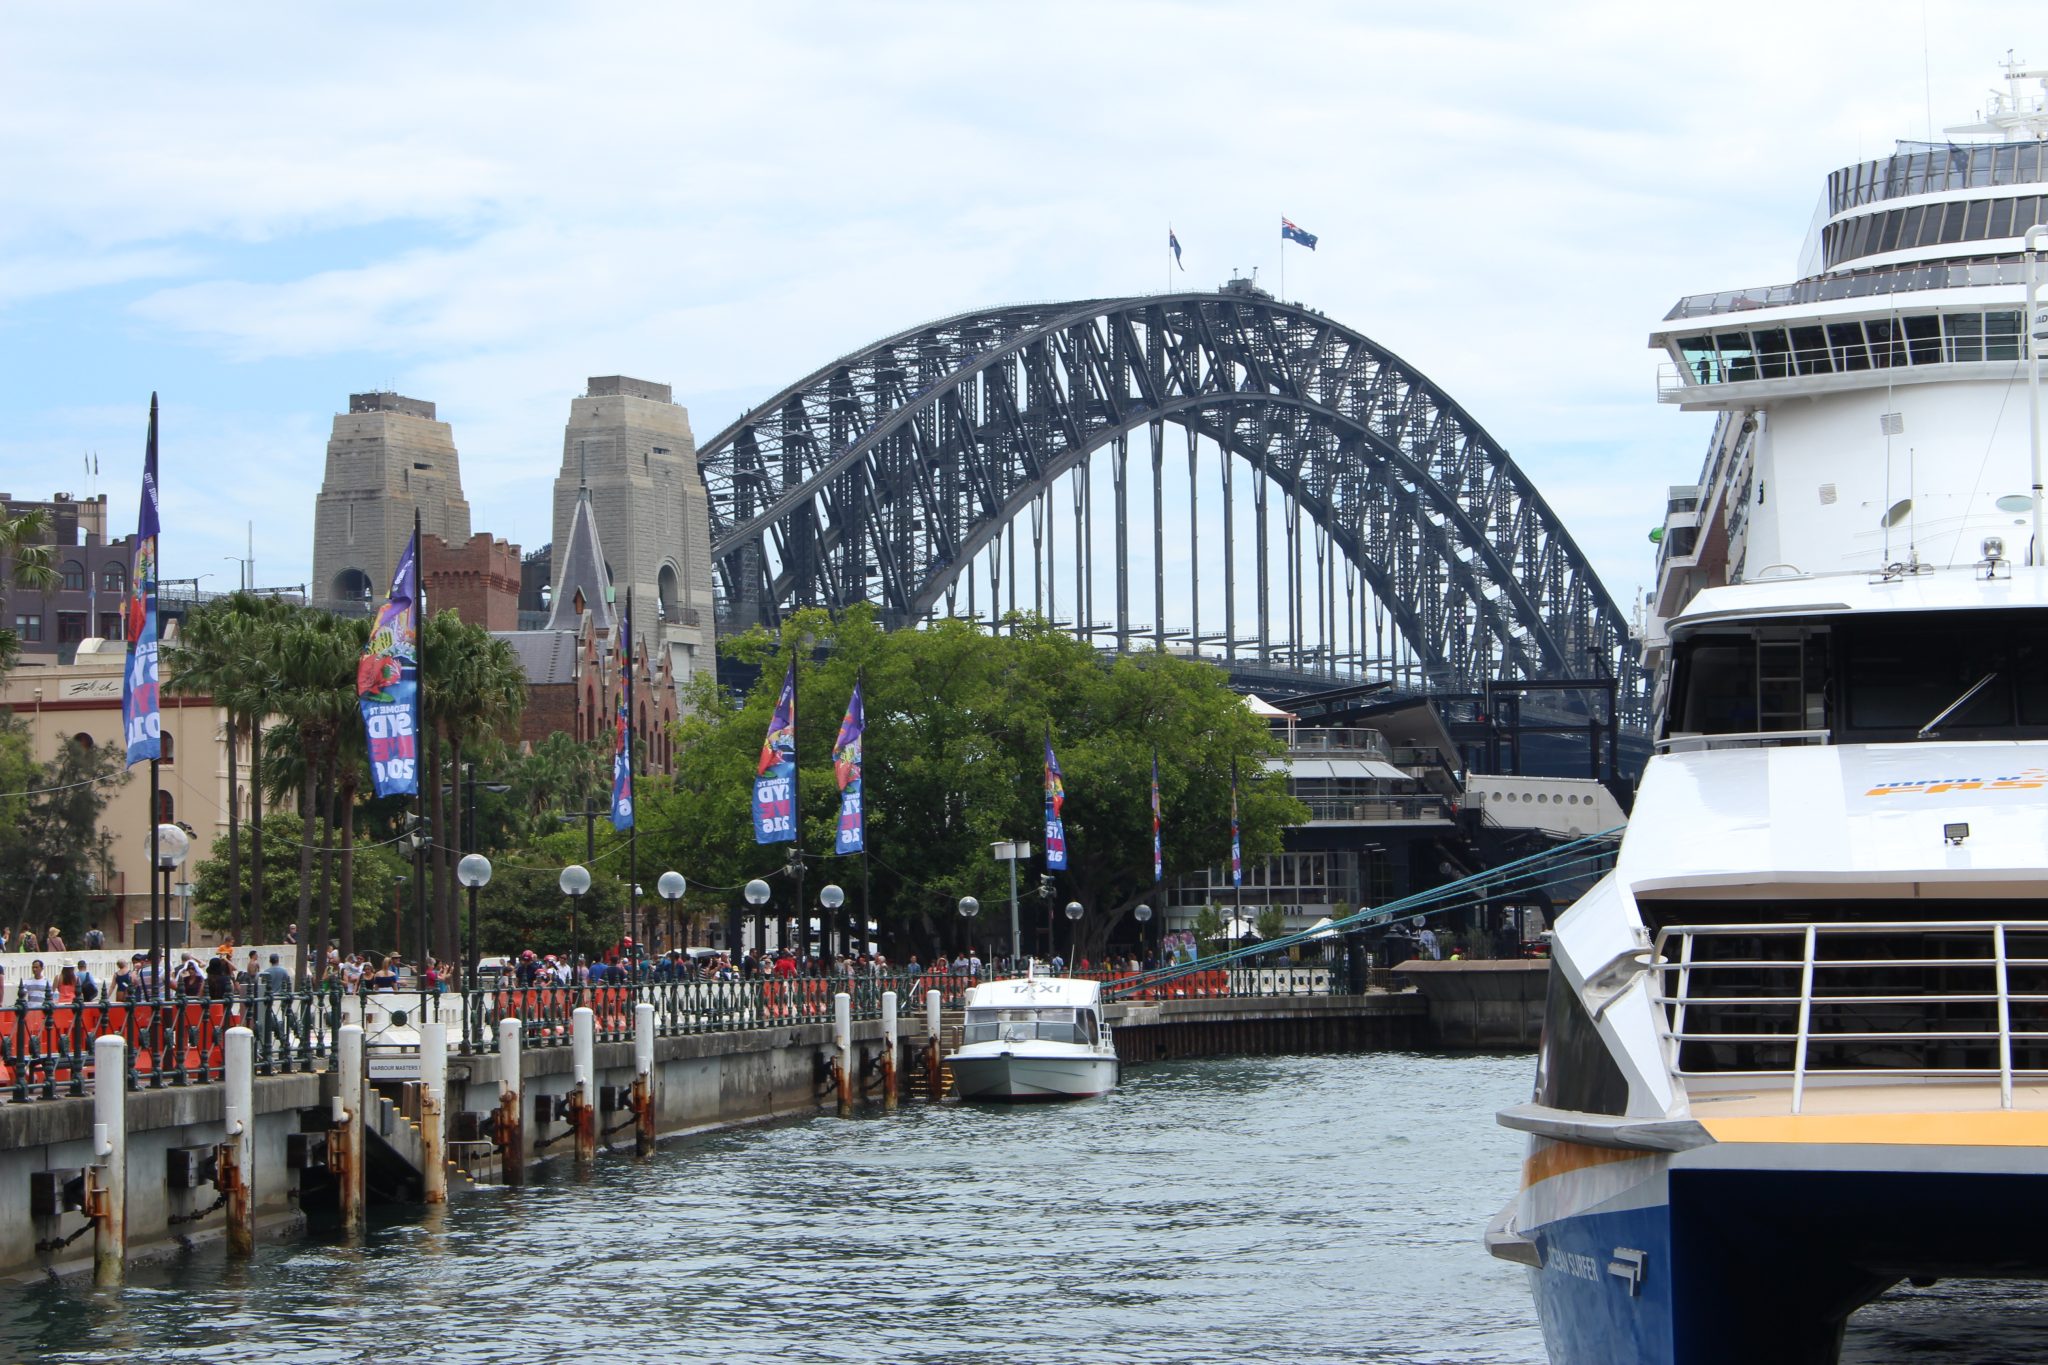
(1276, 1209)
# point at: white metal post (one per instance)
(511, 1125)
(842, 1040)
(110, 1155)
(433, 1111)
(348, 1121)
(889, 1044)
(583, 1100)
(643, 1078)
(239, 1142)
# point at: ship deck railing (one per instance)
(1948, 1000)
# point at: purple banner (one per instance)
(1055, 808)
(1158, 859)
(775, 778)
(622, 735)
(846, 763)
(388, 683)
(140, 723)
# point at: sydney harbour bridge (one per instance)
(1324, 511)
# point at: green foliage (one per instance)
(53, 853)
(1270, 923)
(1209, 927)
(382, 880)
(954, 756)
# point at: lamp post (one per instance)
(1143, 913)
(1013, 851)
(172, 844)
(831, 897)
(670, 886)
(757, 896)
(419, 840)
(574, 881)
(474, 872)
(634, 933)
(969, 908)
(1074, 913)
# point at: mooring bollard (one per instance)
(643, 1079)
(106, 1200)
(235, 1173)
(842, 1042)
(511, 1133)
(433, 1111)
(888, 1049)
(348, 1127)
(583, 1053)
(934, 1064)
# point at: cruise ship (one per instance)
(1796, 1043)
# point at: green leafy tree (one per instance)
(383, 883)
(954, 761)
(54, 855)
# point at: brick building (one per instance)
(477, 579)
(92, 578)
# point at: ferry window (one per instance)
(1574, 1069)
(1887, 348)
(1770, 353)
(1810, 350)
(1973, 225)
(1965, 336)
(1717, 682)
(1923, 339)
(1898, 678)
(1952, 223)
(1846, 340)
(2002, 336)
(1902, 229)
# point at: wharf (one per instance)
(564, 1082)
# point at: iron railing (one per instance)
(1950, 1000)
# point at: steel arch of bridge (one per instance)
(878, 477)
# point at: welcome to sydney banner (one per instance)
(775, 778)
(846, 762)
(140, 723)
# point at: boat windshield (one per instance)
(1048, 1023)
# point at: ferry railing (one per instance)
(1962, 1000)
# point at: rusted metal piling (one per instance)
(889, 1044)
(643, 1079)
(433, 1109)
(511, 1124)
(345, 1146)
(234, 1168)
(582, 1107)
(842, 1047)
(935, 1064)
(106, 1200)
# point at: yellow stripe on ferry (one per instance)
(1980, 1128)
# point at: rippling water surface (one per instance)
(1303, 1209)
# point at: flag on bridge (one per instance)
(775, 778)
(388, 682)
(140, 723)
(1290, 233)
(1055, 807)
(1174, 242)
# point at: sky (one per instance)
(257, 209)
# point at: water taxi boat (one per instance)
(1034, 1038)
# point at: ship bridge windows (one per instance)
(1750, 682)
(1574, 1069)
(1900, 674)
(1924, 225)
(1851, 346)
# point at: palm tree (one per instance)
(474, 687)
(23, 546)
(312, 678)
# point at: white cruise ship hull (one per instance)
(1016, 1076)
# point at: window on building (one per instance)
(74, 576)
(70, 627)
(113, 578)
(166, 750)
(166, 809)
(28, 628)
(110, 625)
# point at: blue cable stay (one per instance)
(1567, 862)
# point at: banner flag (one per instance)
(140, 723)
(388, 682)
(1236, 853)
(1174, 242)
(775, 778)
(846, 762)
(1055, 806)
(1290, 233)
(1158, 861)
(622, 736)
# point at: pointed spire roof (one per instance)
(583, 584)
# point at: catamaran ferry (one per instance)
(1796, 1047)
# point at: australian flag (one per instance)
(1174, 242)
(1290, 233)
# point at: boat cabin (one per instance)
(1037, 1009)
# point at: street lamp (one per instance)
(1073, 940)
(1143, 914)
(474, 872)
(969, 908)
(757, 896)
(574, 881)
(172, 844)
(831, 897)
(419, 839)
(1012, 851)
(670, 886)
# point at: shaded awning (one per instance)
(1314, 768)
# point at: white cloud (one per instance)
(486, 204)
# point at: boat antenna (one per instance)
(1912, 517)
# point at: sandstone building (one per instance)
(387, 455)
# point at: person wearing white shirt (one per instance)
(35, 987)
